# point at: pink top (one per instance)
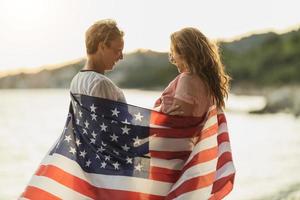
(188, 88)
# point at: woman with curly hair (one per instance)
(202, 81)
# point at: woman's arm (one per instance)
(181, 108)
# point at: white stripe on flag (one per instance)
(196, 170)
(108, 181)
(204, 144)
(55, 188)
(210, 122)
(222, 128)
(170, 144)
(224, 147)
(201, 193)
(225, 170)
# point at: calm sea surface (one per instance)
(266, 148)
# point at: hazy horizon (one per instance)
(35, 33)
(55, 64)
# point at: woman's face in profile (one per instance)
(176, 59)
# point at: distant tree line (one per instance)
(267, 59)
(259, 60)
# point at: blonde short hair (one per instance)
(104, 31)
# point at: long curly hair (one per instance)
(202, 58)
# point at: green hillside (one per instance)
(268, 59)
(261, 60)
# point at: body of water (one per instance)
(266, 148)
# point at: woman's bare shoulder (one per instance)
(191, 82)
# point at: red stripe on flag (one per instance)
(193, 184)
(222, 187)
(35, 193)
(223, 137)
(174, 133)
(202, 156)
(177, 130)
(67, 179)
(173, 121)
(208, 132)
(168, 155)
(89, 190)
(221, 118)
(223, 159)
(163, 174)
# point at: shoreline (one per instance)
(278, 99)
(284, 99)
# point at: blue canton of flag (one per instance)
(106, 138)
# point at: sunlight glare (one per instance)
(23, 14)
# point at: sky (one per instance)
(37, 33)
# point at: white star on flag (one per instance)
(94, 116)
(125, 147)
(87, 164)
(72, 150)
(103, 127)
(103, 164)
(129, 160)
(80, 113)
(93, 108)
(68, 138)
(115, 112)
(82, 153)
(101, 149)
(114, 137)
(138, 167)
(107, 157)
(94, 134)
(138, 117)
(116, 165)
(78, 142)
(92, 141)
(86, 123)
(84, 131)
(125, 130)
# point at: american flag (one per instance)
(113, 151)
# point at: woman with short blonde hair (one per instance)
(101, 31)
(104, 47)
